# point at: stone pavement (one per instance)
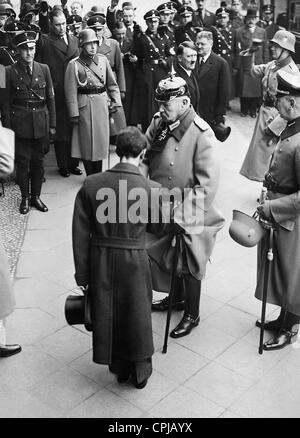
(216, 371)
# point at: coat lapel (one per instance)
(60, 45)
(206, 67)
(72, 49)
(105, 48)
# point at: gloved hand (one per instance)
(264, 211)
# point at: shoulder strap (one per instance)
(222, 37)
(88, 68)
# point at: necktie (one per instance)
(201, 62)
(28, 70)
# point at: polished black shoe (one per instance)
(273, 326)
(36, 202)
(142, 384)
(253, 115)
(185, 326)
(64, 172)
(75, 171)
(9, 350)
(243, 114)
(24, 206)
(283, 338)
(162, 305)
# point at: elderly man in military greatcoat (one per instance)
(182, 155)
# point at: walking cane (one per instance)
(269, 256)
(172, 289)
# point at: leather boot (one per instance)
(191, 318)
(178, 300)
(36, 202)
(284, 336)
(275, 325)
(24, 206)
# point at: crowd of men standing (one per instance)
(205, 49)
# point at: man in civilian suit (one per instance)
(184, 67)
(56, 50)
(213, 80)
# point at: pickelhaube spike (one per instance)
(172, 72)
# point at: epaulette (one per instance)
(74, 59)
(202, 124)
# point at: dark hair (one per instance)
(185, 44)
(130, 142)
(119, 25)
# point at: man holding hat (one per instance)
(269, 124)
(89, 84)
(30, 113)
(152, 51)
(249, 87)
(182, 155)
(224, 45)
(282, 209)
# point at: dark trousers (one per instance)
(92, 167)
(63, 155)
(29, 154)
(249, 104)
(188, 289)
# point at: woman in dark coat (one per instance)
(111, 259)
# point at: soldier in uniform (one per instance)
(4, 14)
(224, 45)
(164, 28)
(8, 53)
(89, 84)
(281, 208)
(202, 17)
(269, 123)
(30, 113)
(236, 18)
(152, 51)
(267, 22)
(187, 30)
(74, 23)
(182, 154)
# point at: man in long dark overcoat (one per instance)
(110, 257)
(56, 50)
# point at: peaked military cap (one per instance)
(185, 10)
(222, 12)
(288, 83)
(173, 6)
(150, 15)
(96, 20)
(27, 9)
(14, 27)
(164, 7)
(74, 19)
(268, 8)
(28, 37)
(4, 10)
(171, 87)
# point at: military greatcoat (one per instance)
(284, 282)
(90, 138)
(262, 145)
(188, 160)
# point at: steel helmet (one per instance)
(245, 230)
(284, 39)
(87, 36)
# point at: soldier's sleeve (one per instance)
(71, 90)
(112, 86)
(111, 19)
(265, 48)
(50, 98)
(6, 105)
(258, 71)
(120, 69)
(81, 231)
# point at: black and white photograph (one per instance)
(149, 212)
